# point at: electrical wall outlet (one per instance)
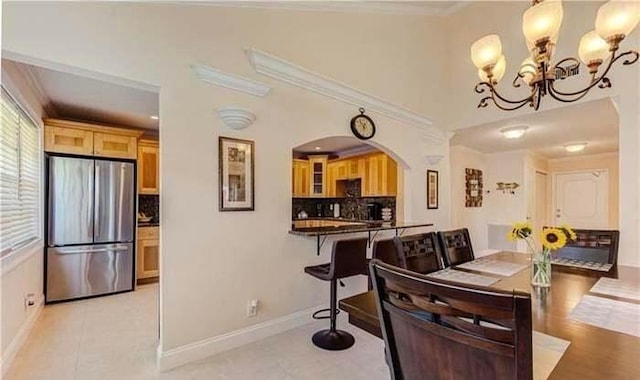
(29, 300)
(252, 308)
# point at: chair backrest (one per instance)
(435, 329)
(385, 251)
(419, 253)
(348, 257)
(600, 246)
(456, 246)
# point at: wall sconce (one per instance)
(507, 187)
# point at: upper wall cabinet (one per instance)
(148, 167)
(108, 145)
(63, 136)
(300, 175)
(67, 140)
(318, 176)
(382, 176)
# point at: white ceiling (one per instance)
(341, 146)
(70, 96)
(424, 8)
(594, 122)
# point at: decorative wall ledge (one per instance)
(219, 78)
(299, 76)
(236, 118)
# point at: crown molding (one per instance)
(299, 76)
(404, 8)
(236, 118)
(32, 79)
(219, 78)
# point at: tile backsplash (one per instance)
(150, 206)
(351, 208)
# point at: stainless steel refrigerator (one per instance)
(90, 221)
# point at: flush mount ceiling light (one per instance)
(154, 117)
(317, 148)
(514, 132)
(541, 25)
(575, 147)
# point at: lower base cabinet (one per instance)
(148, 253)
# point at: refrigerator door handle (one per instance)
(96, 210)
(99, 250)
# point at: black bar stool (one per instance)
(348, 258)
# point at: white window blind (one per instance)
(19, 177)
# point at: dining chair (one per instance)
(456, 246)
(600, 246)
(436, 329)
(419, 253)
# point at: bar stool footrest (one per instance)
(315, 315)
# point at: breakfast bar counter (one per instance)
(321, 228)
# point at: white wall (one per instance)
(21, 272)
(212, 262)
(497, 208)
(504, 18)
(473, 218)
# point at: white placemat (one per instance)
(617, 288)
(547, 352)
(601, 267)
(463, 277)
(623, 317)
(493, 266)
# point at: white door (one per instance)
(582, 199)
(542, 205)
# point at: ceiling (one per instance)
(75, 97)
(594, 122)
(424, 8)
(335, 146)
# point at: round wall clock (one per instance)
(362, 126)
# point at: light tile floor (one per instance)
(115, 337)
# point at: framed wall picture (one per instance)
(236, 171)
(473, 188)
(432, 189)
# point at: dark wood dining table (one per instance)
(594, 353)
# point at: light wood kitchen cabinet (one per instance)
(107, 145)
(300, 178)
(332, 170)
(72, 137)
(68, 140)
(148, 252)
(148, 167)
(382, 176)
(318, 176)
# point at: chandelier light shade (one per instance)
(597, 50)
(486, 51)
(616, 19)
(542, 21)
(497, 72)
(593, 49)
(528, 70)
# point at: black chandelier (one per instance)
(541, 24)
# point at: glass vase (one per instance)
(541, 269)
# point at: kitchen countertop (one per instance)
(323, 227)
(149, 224)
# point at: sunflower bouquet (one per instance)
(552, 238)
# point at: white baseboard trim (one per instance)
(182, 355)
(12, 350)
